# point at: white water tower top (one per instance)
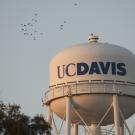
(93, 61)
(93, 38)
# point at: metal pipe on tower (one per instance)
(116, 115)
(75, 129)
(68, 115)
(49, 116)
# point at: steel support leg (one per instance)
(68, 115)
(121, 127)
(75, 129)
(116, 115)
(49, 117)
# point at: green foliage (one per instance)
(39, 124)
(2, 116)
(13, 122)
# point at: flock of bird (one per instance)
(29, 29)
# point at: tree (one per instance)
(2, 116)
(13, 122)
(21, 125)
(39, 125)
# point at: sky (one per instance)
(25, 58)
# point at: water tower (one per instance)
(92, 84)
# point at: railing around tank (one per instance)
(89, 88)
